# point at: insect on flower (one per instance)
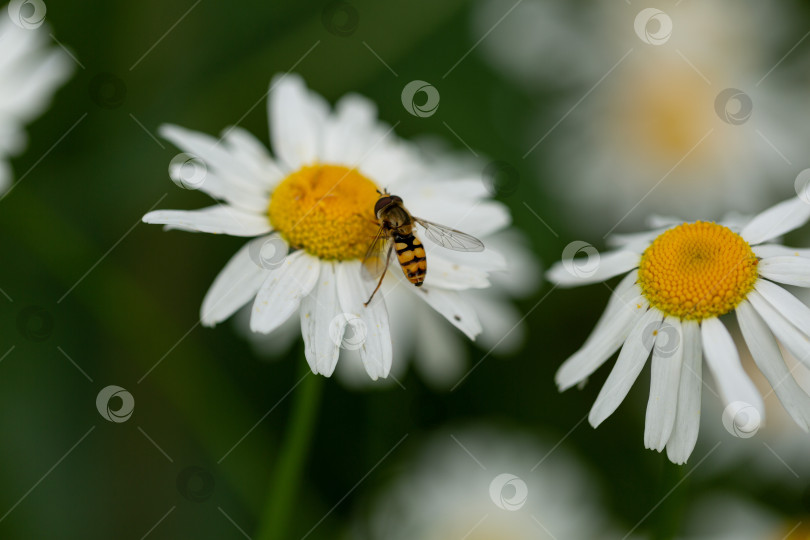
(397, 232)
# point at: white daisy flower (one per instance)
(420, 334)
(311, 211)
(680, 279)
(484, 483)
(641, 101)
(30, 73)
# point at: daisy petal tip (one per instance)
(655, 445)
(285, 82)
(167, 130)
(207, 323)
(677, 460)
(563, 385)
(255, 325)
(326, 371)
(595, 419)
(679, 453)
(566, 378)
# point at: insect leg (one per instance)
(382, 277)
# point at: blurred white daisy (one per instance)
(311, 209)
(650, 101)
(484, 483)
(30, 72)
(680, 279)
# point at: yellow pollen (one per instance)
(697, 271)
(326, 210)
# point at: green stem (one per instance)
(669, 523)
(283, 489)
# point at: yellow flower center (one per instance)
(799, 531)
(326, 210)
(697, 271)
(666, 111)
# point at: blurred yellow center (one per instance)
(326, 210)
(697, 271)
(794, 532)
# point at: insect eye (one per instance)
(397, 199)
(382, 202)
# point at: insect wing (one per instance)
(376, 260)
(450, 238)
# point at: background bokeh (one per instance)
(94, 298)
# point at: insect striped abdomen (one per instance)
(411, 257)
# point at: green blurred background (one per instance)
(84, 279)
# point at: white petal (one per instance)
(769, 359)
(776, 221)
(5, 175)
(657, 221)
(633, 356)
(220, 219)
(687, 419)
(628, 307)
(617, 299)
(791, 337)
(375, 350)
(789, 270)
(763, 251)
(489, 260)
(502, 327)
(235, 285)
(452, 306)
(34, 79)
(478, 218)
(352, 131)
(401, 307)
(297, 121)
(439, 352)
(664, 383)
(585, 270)
(252, 154)
(636, 242)
(282, 291)
(524, 273)
(223, 173)
(724, 363)
(790, 307)
(322, 324)
(448, 275)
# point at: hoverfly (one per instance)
(396, 232)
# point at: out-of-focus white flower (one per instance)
(681, 278)
(311, 209)
(684, 108)
(30, 73)
(486, 483)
